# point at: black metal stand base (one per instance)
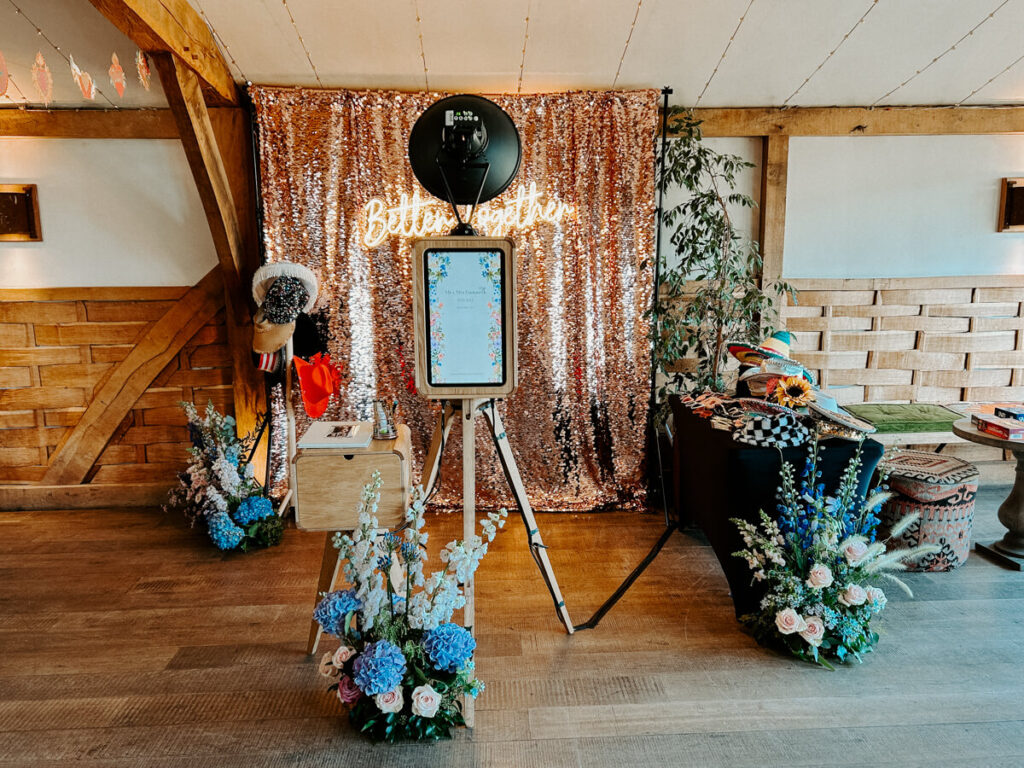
(992, 552)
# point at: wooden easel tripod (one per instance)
(431, 470)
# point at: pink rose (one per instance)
(854, 594)
(425, 701)
(819, 577)
(789, 621)
(855, 550)
(348, 691)
(391, 701)
(326, 668)
(343, 654)
(814, 631)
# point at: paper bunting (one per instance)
(116, 73)
(5, 78)
(84, 80)
(42, 79)
(142, 68)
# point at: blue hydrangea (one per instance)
(449, 647)
(330, 612)
(379, 668)
(223, 531)
(252, 509)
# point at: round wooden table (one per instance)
(1010, 549)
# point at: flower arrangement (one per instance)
(402, 665)
(819, 561)
(218, 488)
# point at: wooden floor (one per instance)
(126, 640)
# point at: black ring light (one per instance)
(465, 149)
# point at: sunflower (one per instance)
(793, 391)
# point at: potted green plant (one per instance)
(711, 293)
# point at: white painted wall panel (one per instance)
(113, 212)
(900, 206)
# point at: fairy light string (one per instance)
(220, 40)
(1005, 69)
(21, 93)
(423, 55)
(526, 38)
(832, 53)
(57, 48)
(302, 42)
(951, 48)
(636, 15)
(724, 52)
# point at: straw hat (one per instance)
(775, 346)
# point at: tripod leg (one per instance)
(515, 481)
(468, 522)
(432, 465)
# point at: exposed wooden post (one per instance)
(772, 225)
(236, 252)
(173, 26)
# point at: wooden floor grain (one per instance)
(126, 640)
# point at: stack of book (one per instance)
(1007, 422)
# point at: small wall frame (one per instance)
(19, 213)
(464, 310)
(1011, 206)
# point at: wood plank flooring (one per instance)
(126, 640)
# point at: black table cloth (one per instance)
(716, 479)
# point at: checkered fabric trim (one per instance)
(780, 431)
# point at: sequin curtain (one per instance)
(577, 422)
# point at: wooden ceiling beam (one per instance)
(89, 123)
(221, 186)
(860, 121)
(174, 26)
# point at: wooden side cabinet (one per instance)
(328, 482)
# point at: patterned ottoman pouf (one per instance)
(941, 490)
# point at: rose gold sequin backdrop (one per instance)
(577, 422)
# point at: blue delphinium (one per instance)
(379, 668)
(223, 531)
(252, 509)
(330, 612)
(449, 647)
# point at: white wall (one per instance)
(748, 182)
(113, 212)
(903, 206)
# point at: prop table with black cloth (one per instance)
(716, 479)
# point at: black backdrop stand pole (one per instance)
(652, 432)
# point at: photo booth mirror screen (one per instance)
(464, 291)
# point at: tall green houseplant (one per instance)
(711, 292)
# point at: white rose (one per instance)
(854, 551)
(854, 594)
(343, 654)
(820, 576)
(876, 597)
(789, 621)
(391, 701)
(425, 701)
(814, 630)
(326, 668)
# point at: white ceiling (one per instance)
(478, 45)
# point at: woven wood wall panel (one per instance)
(912, 339)
(54, 354)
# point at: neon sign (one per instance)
(415, 217)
